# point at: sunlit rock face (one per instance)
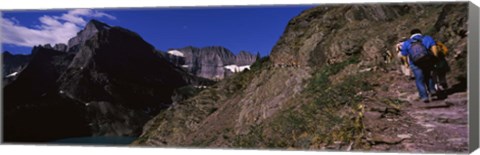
(213, 62)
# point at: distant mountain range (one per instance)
(213, 62)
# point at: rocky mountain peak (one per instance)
(95, 24)
(58, 47)
(245, 58)
(92, 27)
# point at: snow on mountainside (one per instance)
(236, 69)
(176, 53)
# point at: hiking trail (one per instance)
(403, 123)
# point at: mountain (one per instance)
(32, 101)
(245, 58)
(12, 65)
(328, 85)
(91, 29)
(213, 62)
(108, 83)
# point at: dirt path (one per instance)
(443, 125)
(413, 126)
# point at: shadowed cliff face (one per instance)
(309, 94)
(110, 85)
(33, 110)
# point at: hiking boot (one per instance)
(440, 87)
(425, 100)
(433, 93)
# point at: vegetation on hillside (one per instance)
(331, 114)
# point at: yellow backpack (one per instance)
(443, 49)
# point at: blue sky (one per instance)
(252, 28)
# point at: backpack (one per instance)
(442, 48)
(419, 54)
(442, 64)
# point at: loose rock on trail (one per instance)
(439, 126)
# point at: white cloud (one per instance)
(80, 12)
(102, 14)
(49, 22)
(15, 20)
(73, 18)
(52, 30)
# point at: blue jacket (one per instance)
(427, 41)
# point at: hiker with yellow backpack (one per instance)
(441, 67)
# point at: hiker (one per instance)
(421, 52)
(441, 67)
(404, 69)
(387, 56)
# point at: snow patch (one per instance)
(176, 53)
(235, 68)
(12, 75)
(200, 86)
(242, 68)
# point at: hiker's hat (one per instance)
(415, 31)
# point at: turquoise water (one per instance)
(98, 140)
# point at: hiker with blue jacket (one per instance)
(421, 51)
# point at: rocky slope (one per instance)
(328, 67)
(213, 62)
(108, 83)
